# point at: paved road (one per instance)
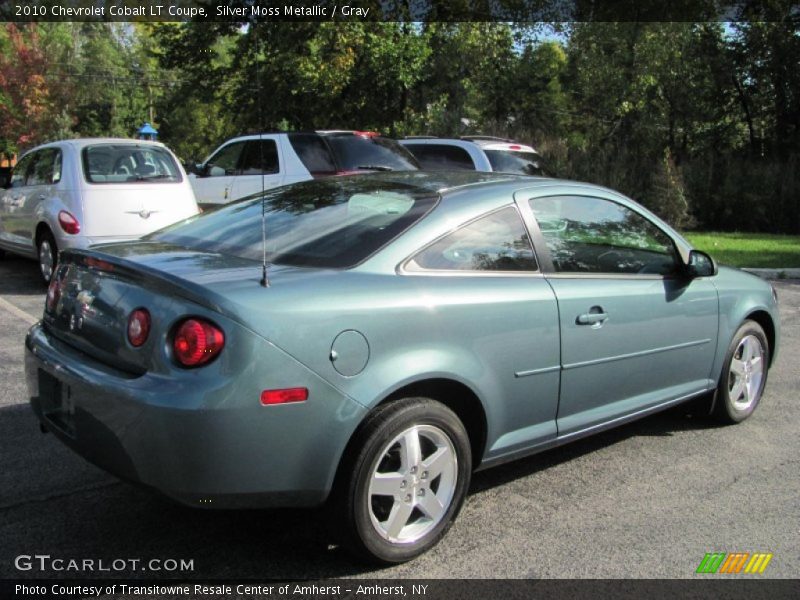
(647, 500)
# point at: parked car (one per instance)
(74, 193)
(478, 153)
(245, 165)
(5, 176)
(412, 327)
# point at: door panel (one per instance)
(635, 333)
(216, 184)
(18, 202)
(39, 187)
(656, 344)
(260, 168)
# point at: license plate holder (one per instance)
(58, 405)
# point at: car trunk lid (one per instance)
(93, 294)
(95, 291)
(135, 209)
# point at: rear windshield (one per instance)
(438, 157)
(509, 161)
(332, 223)
(124, 163)
(356, 152)
(313, 152)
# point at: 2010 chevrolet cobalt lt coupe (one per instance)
(411, 328)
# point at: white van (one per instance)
(75, 193)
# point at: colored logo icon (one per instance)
(735, 562)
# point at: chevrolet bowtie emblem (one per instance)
(144, 213)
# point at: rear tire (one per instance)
(744, 374)
(404, 481)
(47, 252)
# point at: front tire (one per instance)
(744, 374)
(405, 480)
(47, 251)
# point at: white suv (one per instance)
(477, 153)
(75, 193)
(245, 165)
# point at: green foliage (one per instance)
(698, 121)
(750, 249)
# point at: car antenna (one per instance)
(264, 276)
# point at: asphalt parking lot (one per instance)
(647, 500)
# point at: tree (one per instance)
(31, 102)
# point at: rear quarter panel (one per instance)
(477, 331)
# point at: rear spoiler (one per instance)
(144, 275)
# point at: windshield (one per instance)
(510, 161)
(123, 163)
(331, 223)
(356, 152)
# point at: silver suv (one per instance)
(245, 165)
(476, 153)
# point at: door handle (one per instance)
(41, 197)
(595, 317)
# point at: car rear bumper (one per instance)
(201, 447)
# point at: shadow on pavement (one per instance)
(53, 502)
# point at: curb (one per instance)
(778, 274)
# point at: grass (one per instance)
(749, 249)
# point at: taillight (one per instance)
(138, 326)
(197, 342)
(96, 263)
(68, 223)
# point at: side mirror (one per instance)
(193, 167)
(700, 264)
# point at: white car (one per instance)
(477, 153)
(245, 165)
(76, 193)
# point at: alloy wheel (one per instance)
(412, 484)
(746, 372)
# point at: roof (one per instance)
(485, 143)
(445, 182)
(80, 143)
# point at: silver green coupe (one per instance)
(411, 328)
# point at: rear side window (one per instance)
(509, 161)
(496, 242)
(313, 153)
(46, 168)
(260, 157)
(329, 223)
(129, 163)
(23, 170)
(358, 152)
(437, 157)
